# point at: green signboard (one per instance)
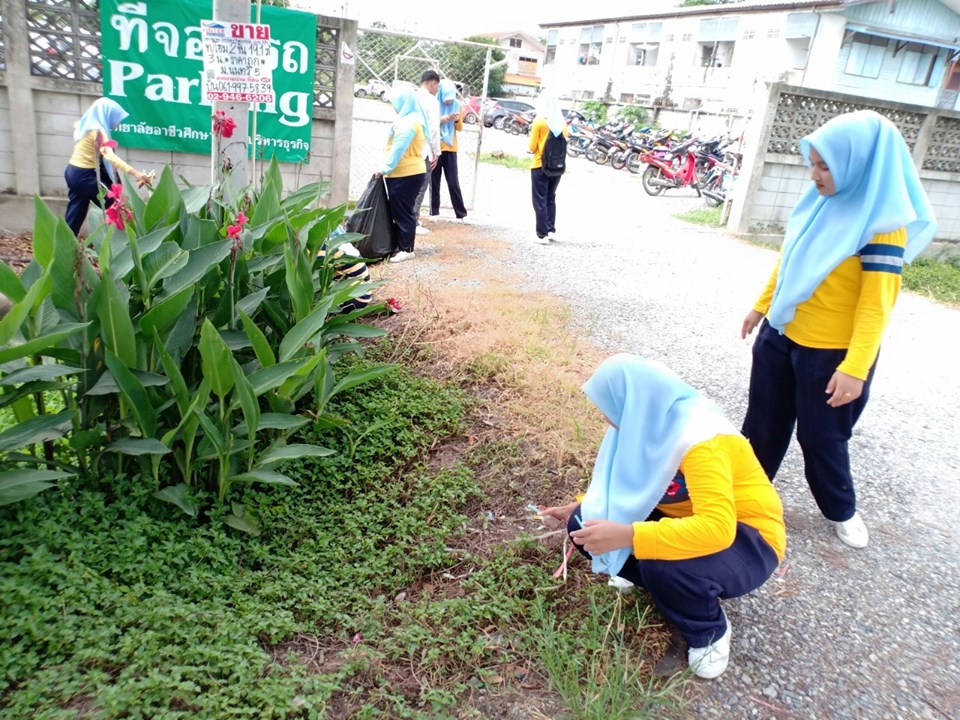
(153, 66)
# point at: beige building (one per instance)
(525, 56)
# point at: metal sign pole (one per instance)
(233, 152)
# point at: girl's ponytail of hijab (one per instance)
(878, 190)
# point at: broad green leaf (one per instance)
(36, 430)
(163, 262)
(135, 202)
(107, 385)
(361, 377)
(264, 476)
(268, 206)
(181, 337)
(172, 369)
(249, 303)
(16, 315)
(258, 340)
(248, 400)
(10, 284)
(164, 202)
(122, 263)
(163, 315)
(299, 279)
(210, 428)
(279, 421)
(39, 372)
(323, 381)
(202, 260)
(116, 327)
(40, 345)
(242, 520)
(273, 175)
(198, 232)
(235, 339)
(17, 485)
(295, 387)
(274, 376)
(304, 331)
(216, 358)
(178, 495)
(196, 197)
(138, 446)
(135, 395)
(292, 452)
(63, 268)
(357, 331)
(44, 232)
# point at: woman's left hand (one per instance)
(602, 536)
(843, 389)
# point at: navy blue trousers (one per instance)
(402, 196)
(788, 385)
(447, 166)
(83, 189)
(687, 592)
(544, 201)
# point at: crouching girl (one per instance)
(678, 504)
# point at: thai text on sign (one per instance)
(237, 62)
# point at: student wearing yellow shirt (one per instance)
(451, 122)
(549, 121)
(92, 160)
(678, 504)
(828, 301)
(404, 169)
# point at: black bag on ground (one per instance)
(554, 161)
(372, 219)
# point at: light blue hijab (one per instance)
(548, 108)
(407, 105)
(658, 418)
(878, 190)
(447, 97)
(104, 115)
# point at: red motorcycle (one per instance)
(664, 173)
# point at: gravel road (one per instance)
(837, 632)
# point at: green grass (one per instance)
(936, 279)
(510, 161)
(708, 217)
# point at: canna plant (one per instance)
(190, 338)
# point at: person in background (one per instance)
(427, 95)
(403, 169)
(828, 301)
(94, 160)
(678, 504)
(451, 122)
(549, 121)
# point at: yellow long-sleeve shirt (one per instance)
(411, 161)
(85, 154)
(539, 131)
(851, 307)
(720, 483)
(457, 127)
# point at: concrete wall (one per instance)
(36, 140)
(772, 182)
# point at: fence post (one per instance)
(483, 102)
(233, 151)
(23, 128)
(343, 108)
(923, 138)
(758, 138)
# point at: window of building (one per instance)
(527, 66)
(917, 65)
(866, 55)
(551, 56)
(516, 42)
(687, 37)
(591, 44)
(671, 37)
(643, 54)
(586, 95)
(716, 54)
(749, 34)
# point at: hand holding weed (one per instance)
(602, 536)
(555, 517)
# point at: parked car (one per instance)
(374, 88)
(496, 114)
(472, 112)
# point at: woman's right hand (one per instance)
(555, 517)
(750, 322)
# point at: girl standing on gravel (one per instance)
(678, 504)
(93, 157)
(451, 122)
(828, 301)
(549, 121)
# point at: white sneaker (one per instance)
(542, 240)
(465, 220)
(421, 230)
(552, 237)
(853, 532)
(400, 256)
(622, 586)
(709, 662)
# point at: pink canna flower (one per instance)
(223, 124)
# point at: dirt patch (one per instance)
(16, 250)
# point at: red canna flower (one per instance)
(233, 231)
(242, 219)
(223, 124)
(116, 192)
(394, 304)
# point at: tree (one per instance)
(377, 53)
(467, 64)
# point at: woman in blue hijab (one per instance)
(548, 124)
(828, 301)
(93, 161)
(403, 168)
(678, 504)
(451, 122)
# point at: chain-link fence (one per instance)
(387, 59)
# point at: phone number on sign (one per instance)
(240, 97)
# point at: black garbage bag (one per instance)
(372, 219)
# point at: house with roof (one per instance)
(525, 55)
(717, 57)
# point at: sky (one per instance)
(462, 18)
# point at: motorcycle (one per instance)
(659, 145)
(519, 123)
(718, 183)
(607, 144)
(581, 137)
(662, 174)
